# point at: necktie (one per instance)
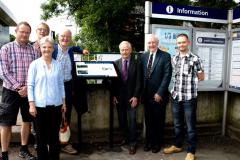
(125, 70)
(149, 66)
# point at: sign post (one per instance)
(191, 13)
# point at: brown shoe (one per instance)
(132, 150)
(172, 149)
(190, 156)
(69, 149)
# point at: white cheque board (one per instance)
(95, 69)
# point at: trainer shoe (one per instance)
(3, 157)
(27, 155)
(190, 156)
(69, 149)
(172, 149)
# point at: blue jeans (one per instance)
(185, 110)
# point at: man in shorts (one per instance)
(15, 58)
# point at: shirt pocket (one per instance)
(188, 68)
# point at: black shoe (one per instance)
(155, 149)
(132, 150)
(3, 157)
(147, 147)
(27, 155)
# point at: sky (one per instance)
(30, 11)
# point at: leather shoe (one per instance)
(147, 147)
(155, 149)
(132, 150)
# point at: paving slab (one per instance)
(209, 148)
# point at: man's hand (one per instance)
(200, 76)
(23, 91)
(157, 98)
(134, 102)
(85, 52)
(115, 101)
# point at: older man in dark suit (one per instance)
(127, 94)
(157, 71)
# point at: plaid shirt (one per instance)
(14, 63)
(185, 82)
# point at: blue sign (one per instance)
(236, 15)
(208, 40)
(190, 13)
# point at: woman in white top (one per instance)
(46, 98)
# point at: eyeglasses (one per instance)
(42, 29)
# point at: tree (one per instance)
(102, 21)
(105, 23)
(224, 4)
(12, 37)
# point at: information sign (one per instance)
(210, 47)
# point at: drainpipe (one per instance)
(227, 70)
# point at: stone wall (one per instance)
(95, 123)
(233, 121)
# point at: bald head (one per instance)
(65, 31)
(64, 38)
(152, 42)
(125, 43)
(152, 37)
(125, 49)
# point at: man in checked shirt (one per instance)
(187, 70)
(15, 58)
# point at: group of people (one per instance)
(145, 79)
(39, 79)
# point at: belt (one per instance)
(67, 80)
(50, 106)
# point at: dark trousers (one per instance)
(127, 120)
(69, 99)
(185, 110)
(154, 121)
(79, 101)
(47, 124)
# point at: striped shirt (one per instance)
(185, 80)
(65, 61)
(14, 62)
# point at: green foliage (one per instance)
(105, 23)
(12, 37)
(224, 4)
(178, 2)
(102, 21)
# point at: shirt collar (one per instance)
(152, 53)
(21, 44)
(60, 49)
(128, 59)
(186, 55)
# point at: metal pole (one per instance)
(148, 13)
(227, 69)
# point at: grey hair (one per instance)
(153, 36)
(125, 42)
(46, 39)
(64, 30)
